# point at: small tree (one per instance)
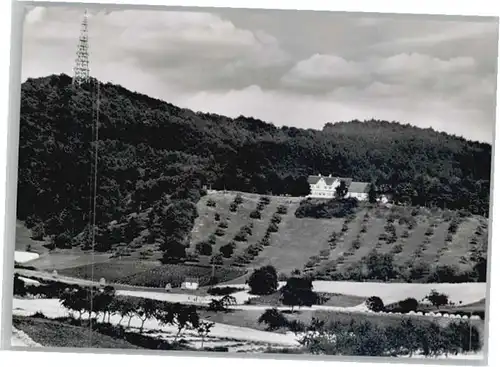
(341, 190)
(227, 250)
(263, 281)
(204, 329)
(204, 248)
(437, 299)
(372, 193)
(273, 318)
(298, 292)
(145, 310)
(375, 304)
(255, 214)
(238, 199)
(408, 304)
(19, 286)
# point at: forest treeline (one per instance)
(155, 156)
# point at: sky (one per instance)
(293, 68)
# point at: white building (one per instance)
(190, 283)
(324, 187)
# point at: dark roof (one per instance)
(313, 180)
(359, 187)
(328, 180)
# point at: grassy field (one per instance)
(51, 333)
(339, 300)
(148, 273)
(298, 243)
(24, 242)
(298, 239)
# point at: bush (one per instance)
(407, 305)
(335, 208)
(219, 232)
(223, 291)
(437, 299)
(298, 292)
(263, 281)
(255, 214)
(273, 228)
(276, 218)
(265, 200)
(238, 199)
(282, 209)
(211, 202)
(375, 304)
(274, 319)
(212, 239)
(217, 217)
(453, 227)
(204, 248)
(223, 225)
(227, 250)
(233, 207)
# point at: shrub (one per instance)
(223, 291)
(453, 226)
(219, 232)
(211, 202)
(204, 248)
(437, 299)
(335, 208)
(238, 199)
(363, 228)
(375, 304)
(408, 304)
(217, 217)
(273, 227)
(276, 218)
(227, 250)
(274, 319)
(282, 209)
(255, 214)
(223, 225)
(212, 239)
(263, 281)
(429, 231)
(298, 292)
(345, 227)
(233, 207)
(265, 200)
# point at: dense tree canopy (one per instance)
(152, 154)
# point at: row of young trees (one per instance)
(100, 304)
(408, 337)
(366, 337)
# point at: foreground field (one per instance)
(240, 331)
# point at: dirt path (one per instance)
(51, 308)
(21, 339)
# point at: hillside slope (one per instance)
(154, 158)
(421, 236)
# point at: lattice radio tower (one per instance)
(81, 69)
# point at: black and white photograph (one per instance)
(254, 181)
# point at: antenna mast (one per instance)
(81, 69)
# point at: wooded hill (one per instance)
(154, 157)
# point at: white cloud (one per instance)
(34, 14)
(258, 67)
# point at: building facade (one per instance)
(324, 187)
